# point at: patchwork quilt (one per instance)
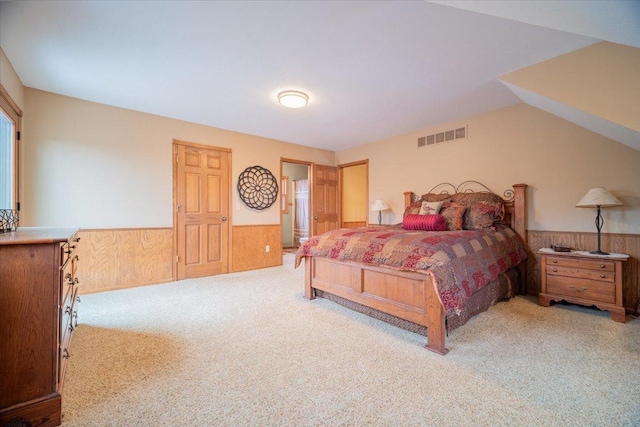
(460, 262)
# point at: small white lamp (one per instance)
(379, 205)
(598, 197)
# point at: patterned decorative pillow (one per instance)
(453, 213)
(482, 215)
(424, 222)
(469, 199)
(436, 197)
(414, 208)
(430, 208)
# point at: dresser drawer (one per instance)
(68, 324)
(581, 273)
(583, 289)
(68, 250)
(590, 264)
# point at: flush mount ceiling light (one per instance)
(293, 98)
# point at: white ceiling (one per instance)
(372, 69)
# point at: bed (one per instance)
(394, 272)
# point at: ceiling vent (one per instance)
(446, 136)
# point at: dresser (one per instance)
(38, 314)
(583, 278)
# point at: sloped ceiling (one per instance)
(372, 69)
(597, 87)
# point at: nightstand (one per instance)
(583, 278)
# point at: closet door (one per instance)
(325, 202)
(202, 210)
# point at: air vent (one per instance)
(440, 137)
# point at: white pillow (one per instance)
(430, 208)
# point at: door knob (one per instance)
(315, 217)
(224, 218)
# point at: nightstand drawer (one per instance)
(581, 273)
(590, 264)
(583, 289)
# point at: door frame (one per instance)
(341, 185)
(297, 162)
(174, 161)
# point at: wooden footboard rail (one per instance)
(407, 295)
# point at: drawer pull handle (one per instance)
(555, 270)
(582, 289)
(77, 239)
(601, 265)
(602, 276)
(555, 261)
(66, 354)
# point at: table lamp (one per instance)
(379, 205)
(598, 197)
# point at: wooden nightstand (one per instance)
(582, 278)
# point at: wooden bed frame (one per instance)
(408, 295)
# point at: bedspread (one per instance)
(460, 262)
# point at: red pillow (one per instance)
(433, 222)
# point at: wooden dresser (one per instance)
(582, 278)
(38, 292)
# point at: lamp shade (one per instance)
(598, 196)
(379, 205)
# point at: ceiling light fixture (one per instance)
(293, 98)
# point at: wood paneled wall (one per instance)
(124, 258)
(354, 224)
(248, 244)
(620, 243)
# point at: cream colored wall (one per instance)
(520, 144)
(602, 79)
(354, 193)
(96, 166)
(10, 80)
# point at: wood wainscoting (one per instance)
(354, 224)
(620, 243)
(248, 247)
(124, 258)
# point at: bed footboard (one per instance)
(407, 295)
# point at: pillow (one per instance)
(436, 197)
(430, 208)
(414, 208)
(482, 216)
(424, 222)
(469, 199)
(453, 214)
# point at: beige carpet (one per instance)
(247, 349)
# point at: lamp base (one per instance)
(599, 252)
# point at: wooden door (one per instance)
(201, 183)
(325, 196)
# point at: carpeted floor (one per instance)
(247, 349)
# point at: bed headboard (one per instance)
(515, 201)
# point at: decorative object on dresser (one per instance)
(598, 197)
(583, 278)
(379, 206)
(8, 220)
(38, 293)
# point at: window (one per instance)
(10, 121)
